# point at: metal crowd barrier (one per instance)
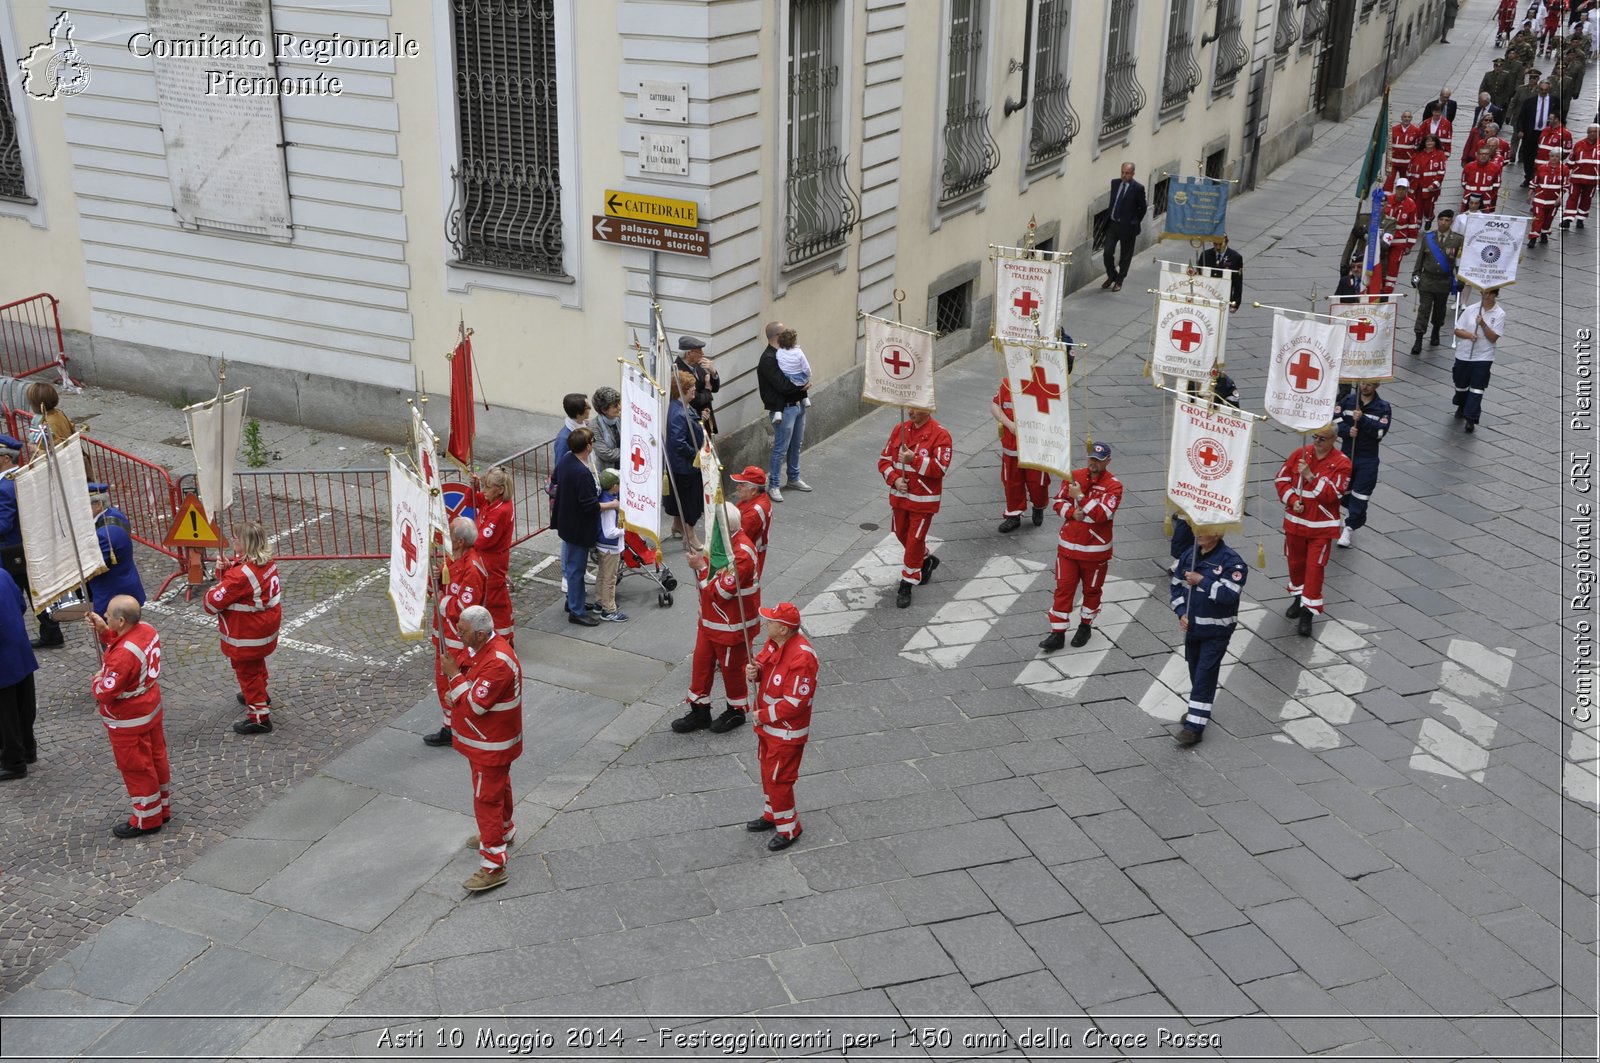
(312, 514)
(31, 341)
(144, 492)
(530, 470)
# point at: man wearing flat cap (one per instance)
(693, 360)
(1087, 502)
(784, 674)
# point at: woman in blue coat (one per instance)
(685, 437)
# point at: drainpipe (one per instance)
(1013, 106)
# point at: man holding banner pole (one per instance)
(1482, 325)
(1022, 487)
(1087, 503)
(1363, 422)
(1207, 584)
(914, 463)
(1311, 482)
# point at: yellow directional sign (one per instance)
(681, 212)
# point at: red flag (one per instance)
(463, 425)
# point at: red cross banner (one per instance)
(1180, 278)
(899, 365)
(408, 548)
(1303, 376)
(1209, 464)
(1491, 249)
(427, 458)
(640, 440)
(1188, 336)
(1039, 391)
(1369, 338)
(1025, 287)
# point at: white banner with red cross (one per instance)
(1039, 392)
(427, 457)
(1027, 301)
(1188, 336)
(1180, 278)
(640, 482)
(899, 365)
(1303, 376)
(1369, 337)
(409, 507)
(1208, 467)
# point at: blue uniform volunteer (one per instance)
(1209, 607)
(1363, 422)
(114, 530)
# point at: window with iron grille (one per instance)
(12, 185)
(1285, 33)
(1055, 123)
(506, 214)
(1158, 196)
(1313, 23)
(1217, 164)
(1181, 73)
(1366, 9)
(820, 207)
(1124, 97)
(1232, 54)
(1099, 229)
(970, 151)
(953, 310)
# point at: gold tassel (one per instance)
(113, 551)
(1261, 555)
(1166, 526)
(1147, 370)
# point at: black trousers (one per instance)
(1530, 155)
(17, 711)
(1431, 306)
(1471, 380)
(13, 561)
(1114, 241)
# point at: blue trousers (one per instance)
(1363, 478)
(573, 561)
(1471, 378)
(1205, 665)
(787, 437)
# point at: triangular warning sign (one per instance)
(191, 528)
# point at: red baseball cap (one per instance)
(753, 474)
(784, 613)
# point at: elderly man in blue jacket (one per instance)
(17, 665)
(115, 532)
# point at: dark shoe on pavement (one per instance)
(730, 718)
(1108, 282)
(1053, 641)
(14, 773)
(1433, 341)
(128, 830)
(757, 825)
(240, 698)
(1188, 736)
(780, 842)
(1580, 223)
(441, 737)
(586, 620)
(250, 727)
(1544, 239)
(928, 566)
(1303, 626)
(1038, 514)
(1010, 524)
(45, 643)
(698, 718)
(1566, 224)
(1081, 636)
(1116, 287)
(1460, 413)
(1416, 348)
(902, 597)
(1295, 608)
(484, 879)
(1472, 426)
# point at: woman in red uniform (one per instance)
(248, 604)
(497, 526)
(1427, 176)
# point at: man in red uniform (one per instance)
(1583, 176)
(1549, 186)
(1400, 227)
(785, 674)
(730, 617)
(248, 604)
(1021, 486)
(496, 518)
(461, 583)
(1404, 136)
(1481, 177)
(755, 510)
(914, 463)
(130, 706)
(1088, 503)
(1439, 126)
(486, 720)
(1310, 484)
(1506, 17)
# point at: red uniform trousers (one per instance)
(1543, 215)
(1022, 486)
(911, 528)
(497, 599)
(780, 767)
(252, 676)
(709, 658)
(1070, 572)
(142, 760)
(491, 806)
(1579, 196)
(1308, 558)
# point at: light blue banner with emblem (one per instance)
(1197, 208)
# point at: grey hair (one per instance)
(476, 618)
(463, 532)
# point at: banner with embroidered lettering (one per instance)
(216, 427)
(1197, 208)
(1303, 375)
(1188, 330)
(899, 365)
(427, 458)
(1369, 338)
(1208, 467)
(640, 441)
(1491, 249)
(57, 524)
(710, 467)
(1024, 288)
(1039, 390)
(408, 548)
(1180, 278)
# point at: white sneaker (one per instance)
(1344, 535)
(775, 494)
(563, 584)
(798, 485)
(590, 577)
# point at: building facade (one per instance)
(188, 196)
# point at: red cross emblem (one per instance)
(637, 458)
(1041, 389)
(1209, 455)
(1303, 371)
(898, 362)
(427, 469)
(1186, 337)
(408, 545)
(1025, 303)
(1362, 329)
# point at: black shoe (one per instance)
(31, 757)
(1472, 426)
(1053, 641)
(586, 620)
(441, 737)
(44, 642)
(779, 842)
(1566, 223)
(1580, 223)
(729, 719)
(928, 566)
(698, 718)
(1295, 608)
(251, 727)
(1038, 511)
(1081, 636)
(1433, 341)
(128, 830)
(1545, 239)
(14, 773)
(1303, 627)
(1460, 413)
(1010, 524)
(1416, 348)
(902, 597)
(756, 826)
(240, 698)
(1188, 736)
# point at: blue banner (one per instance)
(1373, 246)
(1197, 207)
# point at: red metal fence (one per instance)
(312, 514)
(143, 491)
(30, 339)
(530, 470)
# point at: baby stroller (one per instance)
(639, 556)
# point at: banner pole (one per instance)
(727, 542)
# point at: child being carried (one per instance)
(792, 363)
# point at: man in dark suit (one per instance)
(1536, 112)
(1443, 103)
(1219, 256)
(1122, 229)
(1487, 106)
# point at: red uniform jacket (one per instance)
(469, 580)
(1403, 140)
(248, 605)
(1319, 518)
(1089, 538)
(730, 608)
(497, 526)
(1439, 126)
(788, 683)
(1401, 219)
(1008, 438)
(125, 686)
(1484, 180)
(755, 520)
(1585, 162)
(1549, 182)
(1554, 138)
(1427, 171)
(924, 473)
(486, 706)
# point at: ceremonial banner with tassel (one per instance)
(711, 484)
(57, 523)
(427, 459)
(463, 421)
(1188, 336)
(899, 365)
(641, 455)
(215, 428)
(1197, 208)
(1369, 338)
(409, 507)
(1039, 392)
(1491, 249)
(1180, 278)
(1208, 465)
(1303, 375)
(1377, 146)
(1025, 287)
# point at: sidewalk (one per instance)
(1385, 846)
